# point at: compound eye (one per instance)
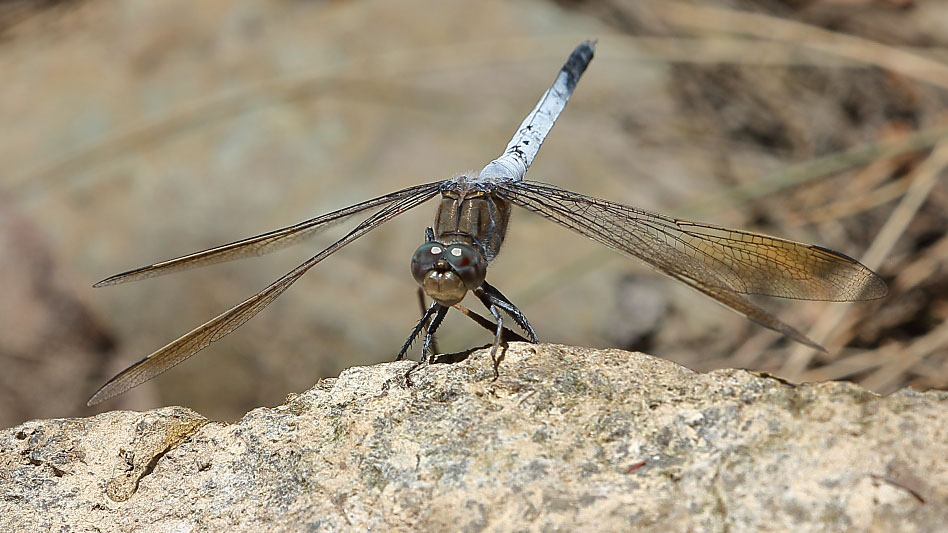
(425, 258)
(468, 263)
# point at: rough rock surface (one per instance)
(565, 439)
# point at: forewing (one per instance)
(740, 261)
(216, 328)
(260, 244)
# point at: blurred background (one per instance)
(139, 131)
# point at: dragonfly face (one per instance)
(447, 271)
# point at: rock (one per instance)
(565, 439)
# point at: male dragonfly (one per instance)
(469, 229)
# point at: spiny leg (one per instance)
(494, 310)
(429, 335)
(424, 306)
(414, 333)
(501, 301)
(495, 302)
(427, 350)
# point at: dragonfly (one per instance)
(468, 232)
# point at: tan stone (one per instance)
(566, 439)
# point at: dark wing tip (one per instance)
(100, 396)
(122, 277)
(874, 286)
(874, 289)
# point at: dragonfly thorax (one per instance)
(447, 271)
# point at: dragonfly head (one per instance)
(447, 271)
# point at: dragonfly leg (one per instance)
(424, 309)
(414, 333)
(494, 310)
(508, 333)
(489, 295)
(436, 312)
(495, 302)
(433, 326)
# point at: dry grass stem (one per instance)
(768, 27)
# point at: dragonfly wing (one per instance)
(216, 328)
(740, 261)
(259, 244)
(718, 262)
(754, 312)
